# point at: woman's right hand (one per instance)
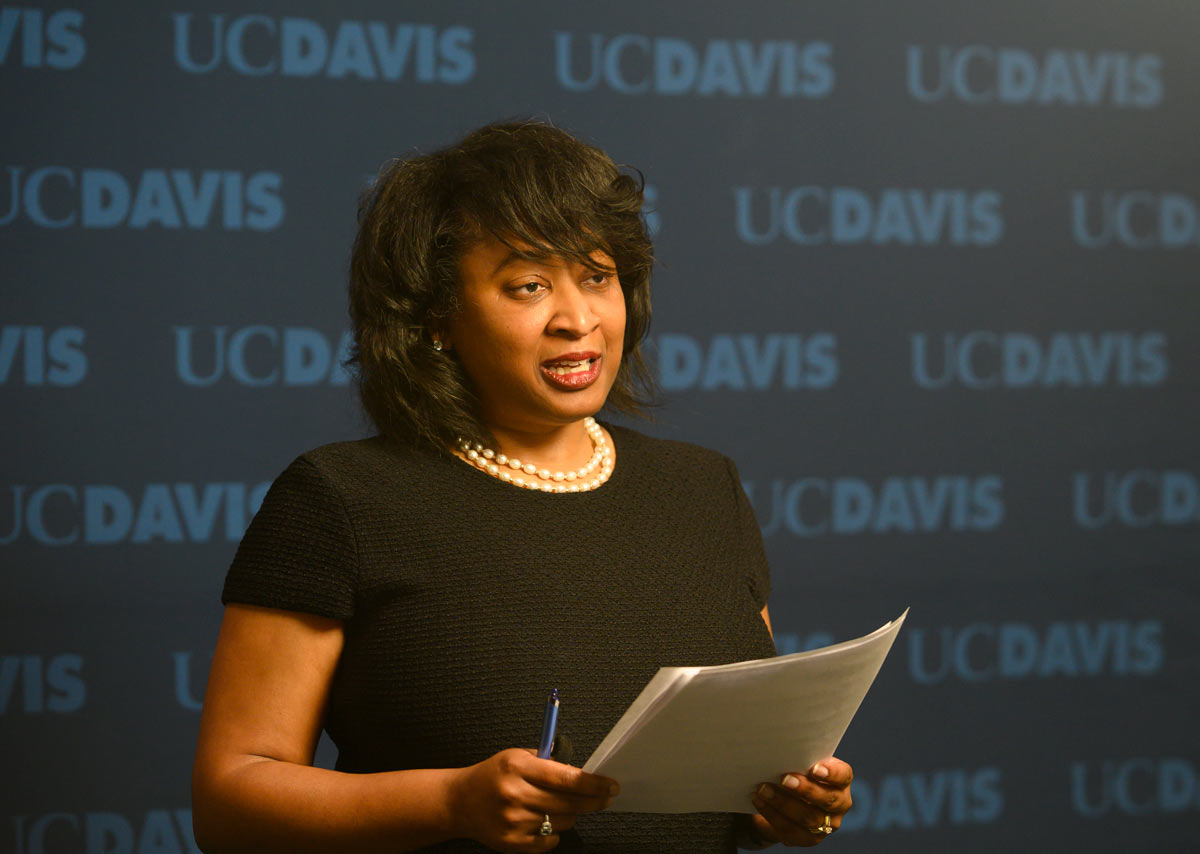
(503, 800)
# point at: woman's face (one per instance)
(541, 340)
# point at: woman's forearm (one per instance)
(265, 804)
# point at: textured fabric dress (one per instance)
(465, 599)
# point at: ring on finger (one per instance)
(824, 830)
(547, 828)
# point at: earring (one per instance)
(437, 344)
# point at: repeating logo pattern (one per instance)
(61, 196)
(931, 286)
(258, 45)
(981, 74)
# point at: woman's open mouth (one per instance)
(572, 370)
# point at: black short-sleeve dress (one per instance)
(465, 599)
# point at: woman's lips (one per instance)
(572, 373)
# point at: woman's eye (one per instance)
(527, 289)
(598, 280)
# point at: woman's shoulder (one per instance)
(366, 451)
(359, 463)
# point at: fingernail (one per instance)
(614, 789)
(820, 771)
(766, 792)
(791, 782)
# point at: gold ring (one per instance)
(823, 830)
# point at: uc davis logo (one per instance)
(158, 830)
(258, 45)
(46, 356)
(34, 684)
(814, 506)
(746, 362)
(986, 360)
(60, 197)
(1137, 786)
(61, 514)
(978, 74)
(1141, 498)
(982, 652)
(46, 41)
(815, 216)
(954, 797)
(1135, 219)
(635, 64)
(260, 356)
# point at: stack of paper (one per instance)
(698, 739)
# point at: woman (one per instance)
(418, 593)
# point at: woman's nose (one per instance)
(573, 313)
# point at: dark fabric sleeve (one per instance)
(299, 553)
(758, 573)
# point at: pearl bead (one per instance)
(579, 480)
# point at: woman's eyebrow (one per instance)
(515, 256)
(512, 257)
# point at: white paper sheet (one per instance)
(699, 739)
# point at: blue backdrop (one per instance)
(927, 272)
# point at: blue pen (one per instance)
(549, 723)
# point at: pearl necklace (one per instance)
(579, 480)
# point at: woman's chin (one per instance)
(578, 407)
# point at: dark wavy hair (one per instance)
(536, 188)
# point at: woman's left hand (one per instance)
(793, 810)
